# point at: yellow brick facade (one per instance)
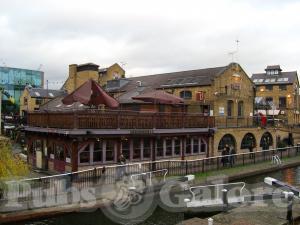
(231, 85)
(77, 78)
(29, 104)
(291, 111)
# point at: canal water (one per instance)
(159, 216)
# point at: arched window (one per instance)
(241, 108)
(248, 141)
(229, 108)
(266, 141)
(227, 139)
(186, 94)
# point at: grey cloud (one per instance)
(156, 36)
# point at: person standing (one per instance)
(121, 170)
(232, 156)
(251, 147)
(224, 157)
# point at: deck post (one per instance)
(74, 158)
(225, 198)
(289, 215)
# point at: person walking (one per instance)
(121, 170)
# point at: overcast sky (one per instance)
(149, 36)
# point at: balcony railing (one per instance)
(95, 119)
(252, 121)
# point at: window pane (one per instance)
(229, 107)
(168, 147)
(177, 146)
(110, 150)
(282, 102)
(203, 146)
(98, 149)
(160, 147)
(136, 149)
(147, 148)
(195, 145)
(240, 109)
(85, 155)
(126, 148)
(188, 147)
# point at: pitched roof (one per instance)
(182, 78)
(142, 84)
(57, 105)
(273, 67)
(281, 78)
(44, 93)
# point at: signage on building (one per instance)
(200, 96)
(221, 111)
(141, 131)
(236, 86)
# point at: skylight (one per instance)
(51, 95)
(283, 79)
(37, 94)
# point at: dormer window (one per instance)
(273, 70)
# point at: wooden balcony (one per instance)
(94, 119)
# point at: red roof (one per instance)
(90, 93)
(159, 97)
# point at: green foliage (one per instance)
(10, 165)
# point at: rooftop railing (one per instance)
(96, 119)
(118, 120)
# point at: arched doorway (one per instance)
(227, 139)
(248, 141)
(266, 141)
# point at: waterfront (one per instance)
(160, 216)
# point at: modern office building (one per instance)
(13, 82)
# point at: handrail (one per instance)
(215, 185)
(150, 172)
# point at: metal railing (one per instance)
(28, 189)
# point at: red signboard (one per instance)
(200, 96)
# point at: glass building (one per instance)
(13, 82)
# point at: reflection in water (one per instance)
(160, 216)
(289, 176)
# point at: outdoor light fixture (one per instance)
(261, 89)
(236, 75)
(288, 95)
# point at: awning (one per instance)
(274, 112)
(90, 93)
(159, 97)
(269, 112)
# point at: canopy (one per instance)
(159, 97)
(90, 93)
